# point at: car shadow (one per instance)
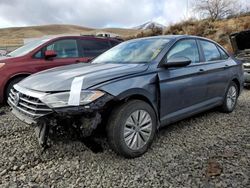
(180, 125)
(65, 135)
(97, 142)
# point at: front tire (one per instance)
(131, 128)
(230, 99)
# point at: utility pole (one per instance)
(187, 7)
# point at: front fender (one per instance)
(140, 87)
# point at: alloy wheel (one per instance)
(231, 97)
(137, 129)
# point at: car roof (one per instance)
(52, 37)
(173, 37)
(177, 37)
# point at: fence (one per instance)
(10, 44)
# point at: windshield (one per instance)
(136, 51)
(27, 48)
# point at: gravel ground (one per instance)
(209, 150)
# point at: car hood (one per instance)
(240, 41)
(60, 79)
(3, 58)
(7, 59)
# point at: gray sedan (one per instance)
(131, 90)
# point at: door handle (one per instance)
(200, 71)
(226, 66)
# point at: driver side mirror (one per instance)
(50, 54)
(177, 62)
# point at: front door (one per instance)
(181, 89)
(67, 51)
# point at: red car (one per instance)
(47, 53)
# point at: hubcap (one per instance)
(137, 129)
(231, 97)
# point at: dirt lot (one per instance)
(209, 150)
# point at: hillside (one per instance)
(218, 30)
(15, 36)
(150, 25)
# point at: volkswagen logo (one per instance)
(16, 98)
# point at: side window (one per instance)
(185, 48)
(93, 48)
(64, 48)
(38, 54)
(223, 54)
(211, 52)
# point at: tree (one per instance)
(216, 9)
(155, 29)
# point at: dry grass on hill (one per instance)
(15, 36)
(218, 30)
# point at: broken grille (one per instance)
(27, 105)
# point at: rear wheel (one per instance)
(11, 84)
(231, 98)
(131, 128)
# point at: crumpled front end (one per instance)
(27, 106)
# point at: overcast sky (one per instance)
(92, 13)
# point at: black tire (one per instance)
(10, 86)
(116, 125)
(225, 106)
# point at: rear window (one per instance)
(210, 50)
(223, 54)
(93, 48)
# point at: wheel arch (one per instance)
(19, 75)
(139, 94)
(237, 82)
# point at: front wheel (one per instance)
(231, 98)
(131, 128)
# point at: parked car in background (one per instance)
(241, 44)
(3, 52)
(46, 53)
(132, 89)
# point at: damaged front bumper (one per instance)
(84, 119)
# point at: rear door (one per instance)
(216, 64)
(181, 89)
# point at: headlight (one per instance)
(62, 99)
(1, 65)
